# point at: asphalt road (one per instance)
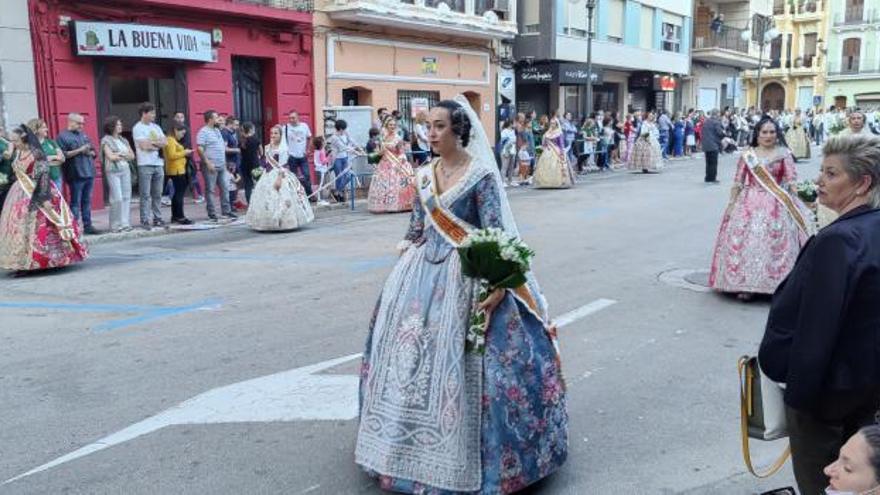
(181, 364)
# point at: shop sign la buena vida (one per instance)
(105, 39)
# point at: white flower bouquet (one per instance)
(4, 179)
(837, 127)
(807, 191)
(499, 261)
(257, 173)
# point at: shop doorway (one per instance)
(572, 101)
(773, 97)
(605, 97)
(123, 85)
(128, 86)
(247, 91)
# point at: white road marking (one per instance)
(583, 312)
(295, 395)
(300, 394)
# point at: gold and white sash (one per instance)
(766, 180)
(455, 231)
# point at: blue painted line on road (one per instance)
(357, 265)
(80, 308)
(156, 314)
(372, 264)
(143, 313)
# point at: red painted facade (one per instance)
(280, 38)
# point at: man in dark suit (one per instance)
(713, 133)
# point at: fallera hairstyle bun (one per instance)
(461, 124)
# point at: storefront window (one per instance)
(671, 38)
(605, 97)
(425, 99)
(572, 99)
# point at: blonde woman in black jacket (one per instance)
(823, 333)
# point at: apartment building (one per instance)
(641, 52)
(409, 54)
(794, 76)
(105, 57)
(854, 54)
(18, 98)
(722, 49)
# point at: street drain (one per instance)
(690, 279)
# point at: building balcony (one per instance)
(855, 17)
(853, 70)
(799, 10)
(805, 65)
(481, 19)
(807, 10)
(724, 48)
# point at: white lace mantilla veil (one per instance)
(482, 163)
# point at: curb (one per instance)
(200, 226)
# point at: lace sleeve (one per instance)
(789, 170)
(488, 200)
(739, 179)
(42, 185)
(416, 223)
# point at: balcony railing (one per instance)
(729, 39)
(297, 5)
(853, 68)
(797, 8)
(805, 62)
(807, 7)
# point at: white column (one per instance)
(876, 59)
(863, 46)
(469, 7)
(18, 93)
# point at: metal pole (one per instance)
(758, 84)
(589, 60)
(765, 26)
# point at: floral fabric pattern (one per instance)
(514, 390)
(392, 188)
(283, 208)
(28, 238)
(646, 153)
(759, 242)
(552, 169)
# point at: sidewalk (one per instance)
(197, 212)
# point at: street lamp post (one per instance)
(591, 5)
(762, 24)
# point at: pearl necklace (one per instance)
(448, 174)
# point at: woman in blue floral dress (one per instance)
(437, 418)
